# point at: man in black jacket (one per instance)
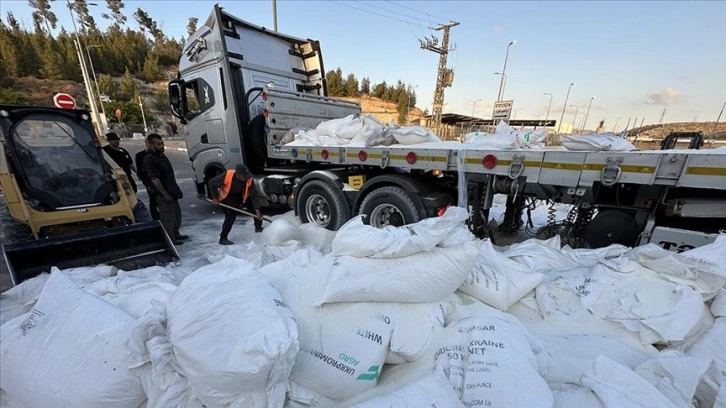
(153, 208)
(121, 156)
(234, 188)
(161, 175)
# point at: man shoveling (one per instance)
(234, 188)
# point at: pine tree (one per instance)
(192, 25)
(42, 14)
(84, 18)
(379, 91)
(127, 87)
(334, 81)
(365, 86)
(119, 19)
(402, 107)
(147, 23)
(351, 85)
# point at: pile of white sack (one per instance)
(358, 130)
(418, 316)
(506, 137)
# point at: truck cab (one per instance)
(240, 88)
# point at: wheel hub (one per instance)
(317, 210)
(386, 214)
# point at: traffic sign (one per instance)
(118, 113)
(65, 101)
(502, 110)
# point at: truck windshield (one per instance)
(60, 161)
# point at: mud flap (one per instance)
(128, 248)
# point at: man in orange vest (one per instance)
(234, 188)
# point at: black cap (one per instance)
(243, 170)
(112, 136)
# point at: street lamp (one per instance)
(559, 125)
(104, 123)
(502, 83)
(474, 107)
(616, 124)
(84, 69)
(547, 116)
(504, 71)
(584, 123)
(574, 118)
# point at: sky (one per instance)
(636, 58)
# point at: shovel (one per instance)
(239, 211)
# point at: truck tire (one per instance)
(320, 203)
(390, 205)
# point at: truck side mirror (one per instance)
(177, 99)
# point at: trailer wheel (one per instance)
(390, 205)
(320, 203)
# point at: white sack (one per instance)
(540, 255)
(68, 352)
(574, 396)
(411, 135)
(490, 141)
(718, 305)
(704, 275)
(331, 127)
(20, 299)
(683, 379)
(318, 237)
(360, 240)
(6, 401)
(525, 139)
(423, 277)
(618, 386)
(596, 142)
(497, 280)
(572, 355)
(433, 391)
(232, 334)
(489, 361)
(712, 345)
(280, 231)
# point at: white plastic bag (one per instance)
(232, 335)
(433, 391)
(68, 352)
(410, 135)
(331, 127)
(281, 231)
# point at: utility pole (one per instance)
(662, 115)
(274, 15)
(143, 117)
(445, 76)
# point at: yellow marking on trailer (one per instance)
(627, 168)
(562, 166)
(706, 171)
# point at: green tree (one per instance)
(402, 107)
(412, 96)
(43, 14)
(161, 100)
(52, 63)
(84, 18)
(106, 86)
(147, 24)
(116, 7)
(334, 80)
(365, 86)
(192, 25)
(127, 87)
(351, 85)
(379, 91)
(152, 71)
(12, 97)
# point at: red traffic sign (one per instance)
(65, 101)
(118, 113)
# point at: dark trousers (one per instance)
(230, 216)
(153, 207)
(170, 216)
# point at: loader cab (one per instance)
(55, 158)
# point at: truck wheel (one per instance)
(390, 205)
(320, 203)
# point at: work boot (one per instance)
(258, 225)
(258, 229)
(182, 237)
(225, 241)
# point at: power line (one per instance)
(394, 12)
(378, 14)
(412, 9)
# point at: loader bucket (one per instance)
(128, 248)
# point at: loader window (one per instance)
(61, 163)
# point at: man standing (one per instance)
(161, 175)
(153, 208)
(121, 156)
(234, 188)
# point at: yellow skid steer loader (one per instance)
(67, 203)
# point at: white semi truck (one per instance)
(241, 87)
